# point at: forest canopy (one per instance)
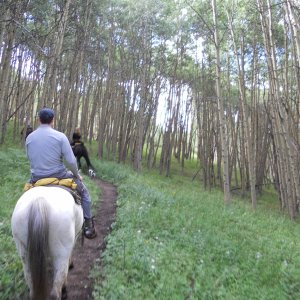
(216, 81)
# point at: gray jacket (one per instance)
(47, 149)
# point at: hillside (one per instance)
(171, 240)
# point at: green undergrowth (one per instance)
(174, 240)
(171, 239)
(14, 172)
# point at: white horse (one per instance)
(45, 224)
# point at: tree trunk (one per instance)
(221, 111)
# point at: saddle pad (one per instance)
(67, 182)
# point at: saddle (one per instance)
(76, 143)
(67, 184)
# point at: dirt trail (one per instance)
(79, 285)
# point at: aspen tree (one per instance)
(222, 121)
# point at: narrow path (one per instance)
(79, 284)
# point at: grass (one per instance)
(12, 182)
(171, 240)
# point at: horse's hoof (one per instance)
(64, 293)
(71, 265)
(92, 173)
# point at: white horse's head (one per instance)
(45, 223)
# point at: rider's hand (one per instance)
(80, 178)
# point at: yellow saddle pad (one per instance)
(68, 182)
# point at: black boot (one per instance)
(89, 229)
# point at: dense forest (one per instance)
(216, 81)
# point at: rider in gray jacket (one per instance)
(46, 149)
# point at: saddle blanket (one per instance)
(65, 183)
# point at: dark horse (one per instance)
(80, 151)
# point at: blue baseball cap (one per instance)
(46, 115)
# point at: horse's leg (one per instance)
(64, 293)
(71, 264)
(60, 272)
(22, 253)
(87, 159)
(61, 260)
(78, 162)
(88, 162)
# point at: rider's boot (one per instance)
(89, 229)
